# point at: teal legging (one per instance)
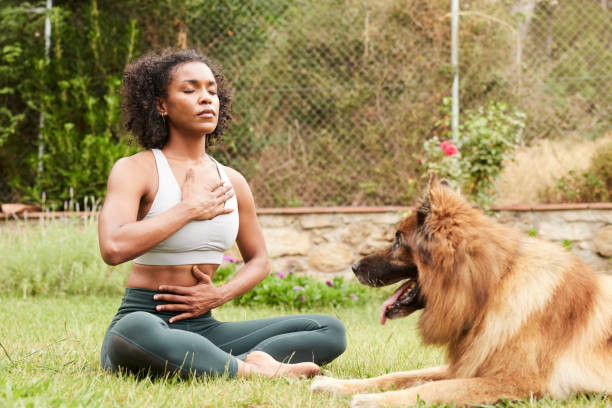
(141, 340)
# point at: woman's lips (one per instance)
(208, 113)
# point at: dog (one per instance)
(519, 317)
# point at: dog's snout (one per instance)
(355, 266)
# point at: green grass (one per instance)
(56, 257)
(50, 357)
(57, 298)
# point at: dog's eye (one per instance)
(397, 241)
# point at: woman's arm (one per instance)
(250, 241)
(122, 237)
(195, 300)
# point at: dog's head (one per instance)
(391, 265)
(399, 262)
(447, 251)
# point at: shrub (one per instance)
(326, 113)
(601, 166)
(78, 157)
(297, 291)
(75, 95)
(332, 98)
(487, 136)
(592, 185)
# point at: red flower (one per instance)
(448, 148)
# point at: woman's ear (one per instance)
(160, 104)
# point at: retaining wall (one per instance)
(324, 242)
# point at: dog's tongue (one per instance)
(392, 299)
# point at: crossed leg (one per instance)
(144, 342)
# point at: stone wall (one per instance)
(325, 242)
(585, 229)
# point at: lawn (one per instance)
(50, 349)
(57, 298)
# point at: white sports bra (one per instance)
(198, 242)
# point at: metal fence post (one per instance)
(41, 123)
(455, 64)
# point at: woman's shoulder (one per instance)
(142, 160)
(239, 183)
(138, 165)
(234, 175)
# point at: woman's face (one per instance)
(192, 105)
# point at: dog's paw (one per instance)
(365, 401)
(326, 384)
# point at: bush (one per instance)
(601, 166)
(297, 291)
(592, 185)
(76, 94)
(78, 157)
(487, 136)
(326, 114)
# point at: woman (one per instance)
(173, 210)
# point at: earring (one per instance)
(163, 116)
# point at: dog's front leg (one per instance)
(399, 380)
(460, 391)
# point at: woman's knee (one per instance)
(336, 334)
(134, 344)
(138, 325)
(143, 330)
(331, 324)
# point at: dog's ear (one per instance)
(433, 182)
(455, 186)
(433, 179)
(422, 212)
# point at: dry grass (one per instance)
(538, 166)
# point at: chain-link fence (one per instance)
(330, 103)
(558, 62)
(334, 98)
(334, 102)
(568, 52)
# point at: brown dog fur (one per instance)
(519, 317)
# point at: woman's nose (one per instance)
(205, 97)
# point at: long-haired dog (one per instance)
(519, 317)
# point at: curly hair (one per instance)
(147, 79)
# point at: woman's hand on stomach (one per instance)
(191, 301)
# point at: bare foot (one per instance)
(259, 362)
